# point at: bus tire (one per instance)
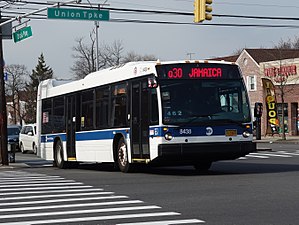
(202, 166)
(58, 157)
(122, 156)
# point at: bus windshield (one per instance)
(201, 101)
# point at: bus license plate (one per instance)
(230, 133)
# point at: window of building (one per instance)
(251, 83)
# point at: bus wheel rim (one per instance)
(122, 155)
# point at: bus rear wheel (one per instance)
(58, 156)
(122, 156)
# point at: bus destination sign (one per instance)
(198, 71)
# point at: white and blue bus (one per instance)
(162, 113)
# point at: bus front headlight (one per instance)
(246, 134)
(168, 136)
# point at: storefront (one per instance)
(281, 67)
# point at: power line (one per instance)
(141, 11)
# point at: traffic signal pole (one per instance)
(3, 113)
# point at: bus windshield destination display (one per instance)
(198, 71)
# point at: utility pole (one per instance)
(190, 55)
(3, 113)
(97, 25)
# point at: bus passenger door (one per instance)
(71, 126)
(140, 120)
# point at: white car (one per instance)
(28, 139)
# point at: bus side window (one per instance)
(119, 105)
(154, 115)
(87, 110)
(46, 116)
(102, 107)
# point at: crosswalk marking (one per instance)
(71, 212)
(52, 191)
(288, 153)
(272, 154)
(28, 198)
(257, 156)
(57, 196)
(47, 188)
(165, 222)
(94, 218)
(268, 154)
(71, 205)
(63, 200)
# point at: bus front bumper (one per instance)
(205, 151)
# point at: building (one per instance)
(281, 67)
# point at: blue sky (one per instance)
(55, 38)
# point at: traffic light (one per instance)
(202, 10)
(258, 109)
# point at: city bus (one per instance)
(150, 112)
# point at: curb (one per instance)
(14, 165)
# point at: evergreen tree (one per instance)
(40, 73)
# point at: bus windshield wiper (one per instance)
(228, 121)
(195, 117)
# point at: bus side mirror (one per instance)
(258, 109)
(152, 82)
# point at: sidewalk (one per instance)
(277, 139)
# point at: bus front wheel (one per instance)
(122, 156)
(202, 166)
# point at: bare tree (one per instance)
(109, 55)
(85, 57)
(288, 44)
(15, 84)
(132, 56)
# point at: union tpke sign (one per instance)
(77, 14)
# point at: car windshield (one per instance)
(13, 131)
(201, 101)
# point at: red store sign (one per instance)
(281, 71)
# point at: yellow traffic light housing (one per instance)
(202, 10)
(208, 9)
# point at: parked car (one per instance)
(28, 139)
(13, 132)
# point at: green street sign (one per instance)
(22, 34)
(77, 14)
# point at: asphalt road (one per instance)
(260, 189)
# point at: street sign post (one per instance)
(77, 14)
(22, 34)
